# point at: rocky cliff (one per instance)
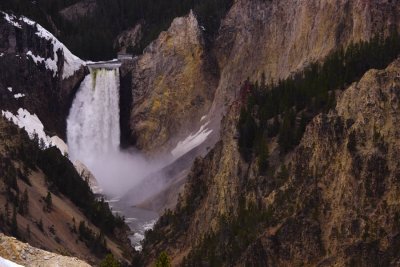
(173, 85)
(38, 73)
(279, 38)
(274, 38)
(331, 202)
(179, 84)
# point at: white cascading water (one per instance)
(93, 133)
(93, 123)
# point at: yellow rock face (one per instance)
(171, 87)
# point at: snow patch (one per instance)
(34, 127)
(9, 89)
(60, 144)
(192, 141)
(12, 20)
(49, 63)
(1, 54)
(6, 263)
(16, 96)
(203, 118)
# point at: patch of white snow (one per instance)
(34, 127)
(12, 20)
(192, 141)
(9, 89)
(6, 263)
(60, 144)
(49, 63)
(16, 96)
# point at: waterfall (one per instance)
(93, 122)
(93, 135)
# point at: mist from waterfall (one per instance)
(93, 133)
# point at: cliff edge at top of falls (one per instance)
(177, 81)
(38, 73)
(332, 202)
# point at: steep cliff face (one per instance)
(278, 38)
(334, 204)
(275, 38)
(173, 86)
(38, 73)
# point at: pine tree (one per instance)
(49, 202)
(40, 225)
(163, 260)
(109, 261)
(7, 212)
(28, 231)
(23, 207)
(14, 223)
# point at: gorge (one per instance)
(244, 133)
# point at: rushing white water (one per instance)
(93, 123)
(93, 132)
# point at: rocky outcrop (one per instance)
(88, 176)
(39, 74)
(335, 205)
(129, 39)
(82, 9)
(172, 87)
(26, 255)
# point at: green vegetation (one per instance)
(109, 261)
(48, 201)
(233, 237)
(96, 243)
(92, 37)
(285, 108)
(163, 260)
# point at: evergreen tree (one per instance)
(28, 231)
(49, 202)
(23, 207)
(163, 260)
(110, 261)
(14, 223)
